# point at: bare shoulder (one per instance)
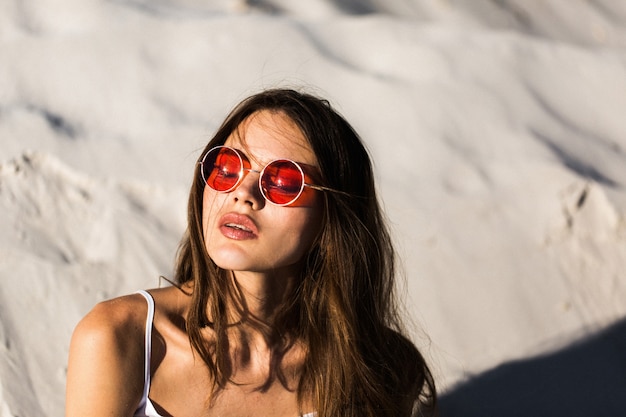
(106, 359)
(120, 320)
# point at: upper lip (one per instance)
(240, 221)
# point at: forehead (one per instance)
(268, 135)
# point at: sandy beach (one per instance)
(497, 130)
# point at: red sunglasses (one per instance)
(281, 181)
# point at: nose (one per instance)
(248, 191)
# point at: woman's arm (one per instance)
(106, 360)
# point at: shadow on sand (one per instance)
(586, 379)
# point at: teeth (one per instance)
(238, 226)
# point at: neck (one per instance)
(257, 348)
(265, 294)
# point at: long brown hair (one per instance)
(358, 362)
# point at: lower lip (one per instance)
(236, 234)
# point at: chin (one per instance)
(235, 259)
(231, 263)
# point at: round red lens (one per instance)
(222, 169)
(282, 182)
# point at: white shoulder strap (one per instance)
(148, 341)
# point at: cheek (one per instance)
(308, 198)
(308, 228)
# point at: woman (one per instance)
(284, 297)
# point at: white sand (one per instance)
(498, 131)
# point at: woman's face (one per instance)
(243, 231)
